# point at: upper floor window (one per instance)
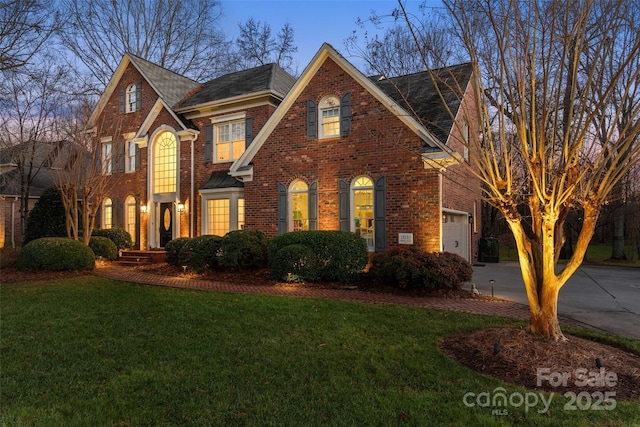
(107, 157)
(131, 157)
(132, 98)
(329, 117)
(229, 140)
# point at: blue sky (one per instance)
(314, 22)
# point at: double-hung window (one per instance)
(329, 117)
(229, 140)
(132, 98)
(106, 156)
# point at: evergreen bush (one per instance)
(119, 236)
(55, 253)
(339, 255)
(241, 249)
(104, 248)
(200, 253)
(295, 263)
(172, 248)
(47, 218)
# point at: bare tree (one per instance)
(257, 46)
(84, 174)
(25, 27)
(537, 65)
(27, 134)
(178, 35)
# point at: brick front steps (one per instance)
(133, 258)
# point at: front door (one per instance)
(166, 223)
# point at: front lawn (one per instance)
(89, 351)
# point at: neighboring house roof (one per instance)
(418, 94)
(10, 183)
(269, 77)
(395, 104)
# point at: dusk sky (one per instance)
(314, 22)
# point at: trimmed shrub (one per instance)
(56, 253)
(339, 255)
(200, 253)
(120, 237)
(295, 263)
(173, 247)
(243, 249)
(104, 248)
(47, 218)
(411, 268)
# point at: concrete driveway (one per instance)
(604, 297)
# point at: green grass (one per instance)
(94, 352)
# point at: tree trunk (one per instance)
(544, 315)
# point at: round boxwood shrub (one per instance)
(173, 247)
(200, 253)
(339, 255)
(241, 249)
(55, 253)
(120, 237)
(104, 248)
(409, 267)
(295, 263)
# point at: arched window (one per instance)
(164, 163)
(130, 216)
(329, 117)
(299, 202)
(132, 98)
(362, 213)
(107, 213)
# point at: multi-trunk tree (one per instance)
(554, 87)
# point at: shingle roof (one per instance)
(221, 179)
(263, 78)
(171, 87)
(418, 95)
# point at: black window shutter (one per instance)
(312, 119)
(343, 205)
(120, 218)
(313, 205)
(139, 96)
(120, 157)
(121, 100)
(248, 132)
(137, 157)
(282, 208)
(208, 140)
(345, 114)
(380, 214)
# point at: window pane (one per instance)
(363, 209)
(230, 142)
(240, 214)
(108, 214)
(130, 220)
(218, 216)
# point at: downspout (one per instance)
(13, 223)
(192, 202)
(440, 206)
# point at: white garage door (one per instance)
(455, 235)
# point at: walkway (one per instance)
(475, 306)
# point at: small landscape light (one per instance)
(599, 363)
(496, 348)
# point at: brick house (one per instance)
(332, 150)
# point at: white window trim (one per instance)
(106, 159)
(290, 194)
(223, 120)
(352, 207)
(127, 101)
(321, 134)
(103, 221)
(128, 140)
(221, 193)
